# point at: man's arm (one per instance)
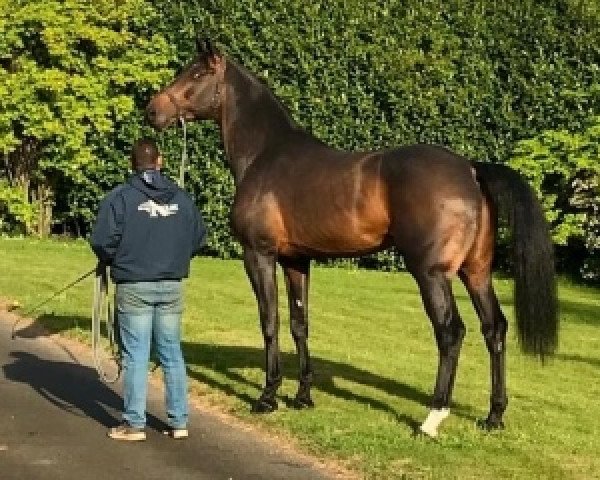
(199, 232)
(106, 234)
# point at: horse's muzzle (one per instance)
(158, 113)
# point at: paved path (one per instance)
(54, 413)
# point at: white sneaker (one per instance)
(176, 433)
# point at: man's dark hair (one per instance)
(144, 154)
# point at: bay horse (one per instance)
(297, 199)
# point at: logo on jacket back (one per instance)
(154, 209)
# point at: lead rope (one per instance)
(190, 30)
(182, 167)
(16, 306)
(102, 310)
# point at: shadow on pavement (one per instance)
(226, 359)
(70, 386)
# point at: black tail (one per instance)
(536, 306)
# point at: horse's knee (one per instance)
(270, 330)
(299, 328)
(495, 335)
(269, 337)
(501, 327)
(460, 330)
(450, 336)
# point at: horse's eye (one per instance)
(197, 75)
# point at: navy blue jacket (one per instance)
(147, 229)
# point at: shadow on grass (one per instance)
(594, 362)
(72, 387)
(226, 359)
(581, 313)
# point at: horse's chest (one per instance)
(257, 221)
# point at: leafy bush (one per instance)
(17, 215)
(477, 77)
(69, 72)
(564, 168)
(370, 74)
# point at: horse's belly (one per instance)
(318, 215)
(331, 235)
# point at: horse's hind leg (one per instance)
(449, 331)
(475, 273)
(260, 268)
(493, 328)
(296, 272)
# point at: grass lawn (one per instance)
(375, 362)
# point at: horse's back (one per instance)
(429, 175)
(318, 201)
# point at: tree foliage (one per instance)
(482, 77)
(564, 168)
(70, 72)
(477, 77)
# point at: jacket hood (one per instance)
(154, 185)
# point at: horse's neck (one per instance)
(252, 119)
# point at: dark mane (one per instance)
(261, 94)
(268, 91)
(256, 121)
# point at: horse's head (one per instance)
(196, 93)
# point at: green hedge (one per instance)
(475, 76)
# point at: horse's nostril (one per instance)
(151, 112)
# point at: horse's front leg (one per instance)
(296, 273)
(260, 268)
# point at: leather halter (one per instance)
(174, 102)
(179, 111)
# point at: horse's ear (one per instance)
(213, 56)
(209, 47)
(216, 62)
(201, 46)
(215, 59)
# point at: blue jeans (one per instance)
(146, 310)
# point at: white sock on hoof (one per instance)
(433, 420)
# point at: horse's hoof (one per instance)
(432, 434)
(489, 424)
(434, 419)
(419, 434)
(264, 405)
(300, 403)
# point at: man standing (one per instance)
(147, 231)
